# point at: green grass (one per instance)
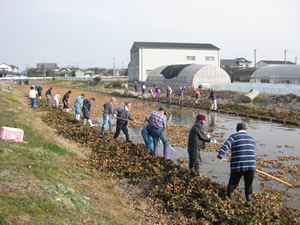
(40, 182)
(33, 205)
(259, 100)
(56, 149)
(66, 196)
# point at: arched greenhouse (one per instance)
(188, 75)
(289, 74)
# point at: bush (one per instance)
(96, 80)
(117, 83)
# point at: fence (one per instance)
(104, 78)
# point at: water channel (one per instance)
(272, 140)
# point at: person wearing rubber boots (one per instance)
(86, 109)
(78, 105)
(197, 139)
(66, 100)
(242, 163)
(108, 110)
(158, 122)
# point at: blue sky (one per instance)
(90, 33)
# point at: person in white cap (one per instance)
(57, 98)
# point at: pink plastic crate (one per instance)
(11, 134)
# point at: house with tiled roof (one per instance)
(273, 63)
(235, 63)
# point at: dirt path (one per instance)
(49, 133)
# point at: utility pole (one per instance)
(114, 67)
(285, 56)
(254, 58)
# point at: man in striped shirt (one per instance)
(242, 161)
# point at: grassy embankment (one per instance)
(41, 184)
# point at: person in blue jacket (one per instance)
(86, 109)
(78, 105)
(136, 86)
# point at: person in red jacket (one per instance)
(197, 94)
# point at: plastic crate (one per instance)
(11, 134)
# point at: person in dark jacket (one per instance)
(136, 86)
(197, 139)
(86, 109)
(39, 90)
(49, 95)
(123, 115)
(213, 98)
(242, 163)
(66, 100)
(108, 110)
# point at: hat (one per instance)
(201, 117)
(162, 108)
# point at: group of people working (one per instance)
(241, 144)
(197, 94)
(242, 147)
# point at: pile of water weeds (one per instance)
(180, 189)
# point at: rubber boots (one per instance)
(102, 131)
(249, 198)
(155, 151)
(84, 122)
(166, 148)
(110, 130)
(90, 122)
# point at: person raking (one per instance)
(242, 162)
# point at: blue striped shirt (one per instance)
(242, 148)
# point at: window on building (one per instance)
(209, 58)
(265, 81)
(148, 72)
(191, 58)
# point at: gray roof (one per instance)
(234, 62)
(229, 62)
(277, 62)
(47, 65)
(277, 72)
(171, 45)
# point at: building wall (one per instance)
(79, 73)
(147, 60)
(4, 67)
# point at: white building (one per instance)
(6, 70)
(147, 56)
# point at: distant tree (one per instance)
(110, 72)
(49, 73)
(31, 72)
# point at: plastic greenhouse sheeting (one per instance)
(261, 87)
(187, 75)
